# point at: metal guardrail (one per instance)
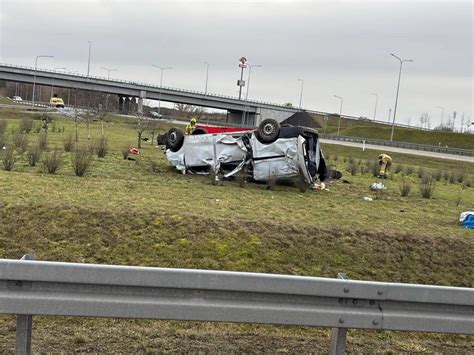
(406, 145)
(87, 290)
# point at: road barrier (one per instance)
(415, 146)
(29, 287)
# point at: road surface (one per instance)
(402, 150)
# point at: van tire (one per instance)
(268, 131)
(175, 139)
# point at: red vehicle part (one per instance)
(216, 129)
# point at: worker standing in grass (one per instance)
(190, 127)
(385, 163)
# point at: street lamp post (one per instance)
(52, 81)
(301, 91)
(89, 60)
(442, 114)
(398, 89)
(162, 69)
(34, 76)
(108, 78)
(340, 113)
(375, 109)
(248, 88)
(207, 77)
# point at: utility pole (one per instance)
(161, 84)
(340, 113)
(207, 76)
(301, 91)
(89, 60)
(375, 109)
(398, 89)
(34, 76)
(241, 82)
(442, 114)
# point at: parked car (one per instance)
(17, 98)
(270, 151)
(155, 114)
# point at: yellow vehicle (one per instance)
(56, 102)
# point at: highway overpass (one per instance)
(133, 93)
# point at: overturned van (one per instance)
(268, 152)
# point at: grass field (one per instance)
(145, 213)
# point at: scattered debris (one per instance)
(319, 186)
(467, 219)
(377, 186)
(346, 181)
(366, 198)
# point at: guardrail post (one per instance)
(24, 323)
(337, 345)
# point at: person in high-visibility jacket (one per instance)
(190, 127)
(385, 163)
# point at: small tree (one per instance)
(52, 161)
(8, 159)
(20, 140)
(140, 127)
(34, 154)
(101, 147)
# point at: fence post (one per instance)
(337, 344)
(24, 323)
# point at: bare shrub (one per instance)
(467, 183)
(375, 167)
(363, 169)
(125, 152)
(81, 160)
(155, 168)
(427, 185)
(8, 159)
(460, 177)
(421, 172)
(437, 175)
(43, 140)
(3, 126)
(410, 169)
(344, 159)
(352, 168)
(405, 188)
(452, 177)
(458, 198)
(52, 161)
(20, 141)
(446, 175)
(26, 125)
(101, 147)
(351, 160)
(335, 158)
(398, 168)
(69, 143)
(34, 154)
(37, 128)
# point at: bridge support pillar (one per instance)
(140, 101)
(242, 118)
(126, 105)
(120, 103)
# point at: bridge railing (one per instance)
(406, 145)
(29, 287)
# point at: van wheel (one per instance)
(175, 138)
(268, 131)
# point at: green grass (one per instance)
(122, 212)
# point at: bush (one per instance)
(398, 168)
(351, 160)
(3, 126)
(460, 177)
(8, 159)
(155, 168)
(452, 178)
(427, 185)
(43, 140)
(363, 169)
(437, 175)
(353, 167)
(20, 140)
(69, 143)
(34, 154)
(375, 167)
(26, 125)
(410, 170)
(446, 175)
(37, 128)
(421, 172)
(52, 161)
(125, 153)
(467, 183)
(81, 160)
(101, 147)
(405, 188)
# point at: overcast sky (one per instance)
(337, 47)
